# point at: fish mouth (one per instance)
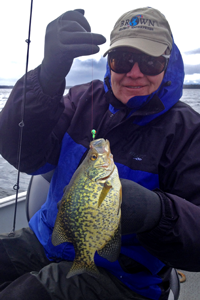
(107, 167)
(103, 166)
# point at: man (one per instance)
(154, 139)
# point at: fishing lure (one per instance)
(93, 132)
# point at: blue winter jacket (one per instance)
(154, 141)
(42, 223)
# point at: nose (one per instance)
(135, 71)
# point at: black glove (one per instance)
(141, 208)
(67, 37)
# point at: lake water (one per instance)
(8, 174)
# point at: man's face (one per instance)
(134, 83)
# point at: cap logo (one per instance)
(135, 20)
(138, 21)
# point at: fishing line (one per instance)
(93, 131)
(21, 124)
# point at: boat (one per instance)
(7, 205)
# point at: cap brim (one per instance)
(147, 46)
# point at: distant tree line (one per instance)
(191, 86)
(185, 86)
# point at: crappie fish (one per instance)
(89, 214)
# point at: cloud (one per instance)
(86, 71)
(192, 69)
(192, 79)
(196, 51)
(83, 71)
(8, 81)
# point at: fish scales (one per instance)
(90, 210)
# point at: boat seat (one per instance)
(36, 196)
(37, 193)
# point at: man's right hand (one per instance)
(67, 37)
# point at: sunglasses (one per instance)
(122, 62)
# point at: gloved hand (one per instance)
(67, 37)
(141, 208)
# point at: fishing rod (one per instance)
(21, 124)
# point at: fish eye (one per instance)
(93, 156)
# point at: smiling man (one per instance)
(155, 142)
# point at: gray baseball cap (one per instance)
(145, 29)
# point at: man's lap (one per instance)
(22, 253)
(24, 250)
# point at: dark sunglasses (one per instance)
(122, 62)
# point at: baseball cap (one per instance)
(145, 29)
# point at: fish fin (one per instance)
(59, 235)
(106, 188)
(112, 249)
(80, 267)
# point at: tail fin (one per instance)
(80, 267)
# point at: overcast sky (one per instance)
(102, 15)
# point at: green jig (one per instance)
(93, 132)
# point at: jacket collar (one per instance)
(153, 106)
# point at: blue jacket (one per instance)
(71, 153)
(147, 148)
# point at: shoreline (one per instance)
(12, 86)
(191, 86)
(185, 86)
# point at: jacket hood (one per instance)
(169, 92)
